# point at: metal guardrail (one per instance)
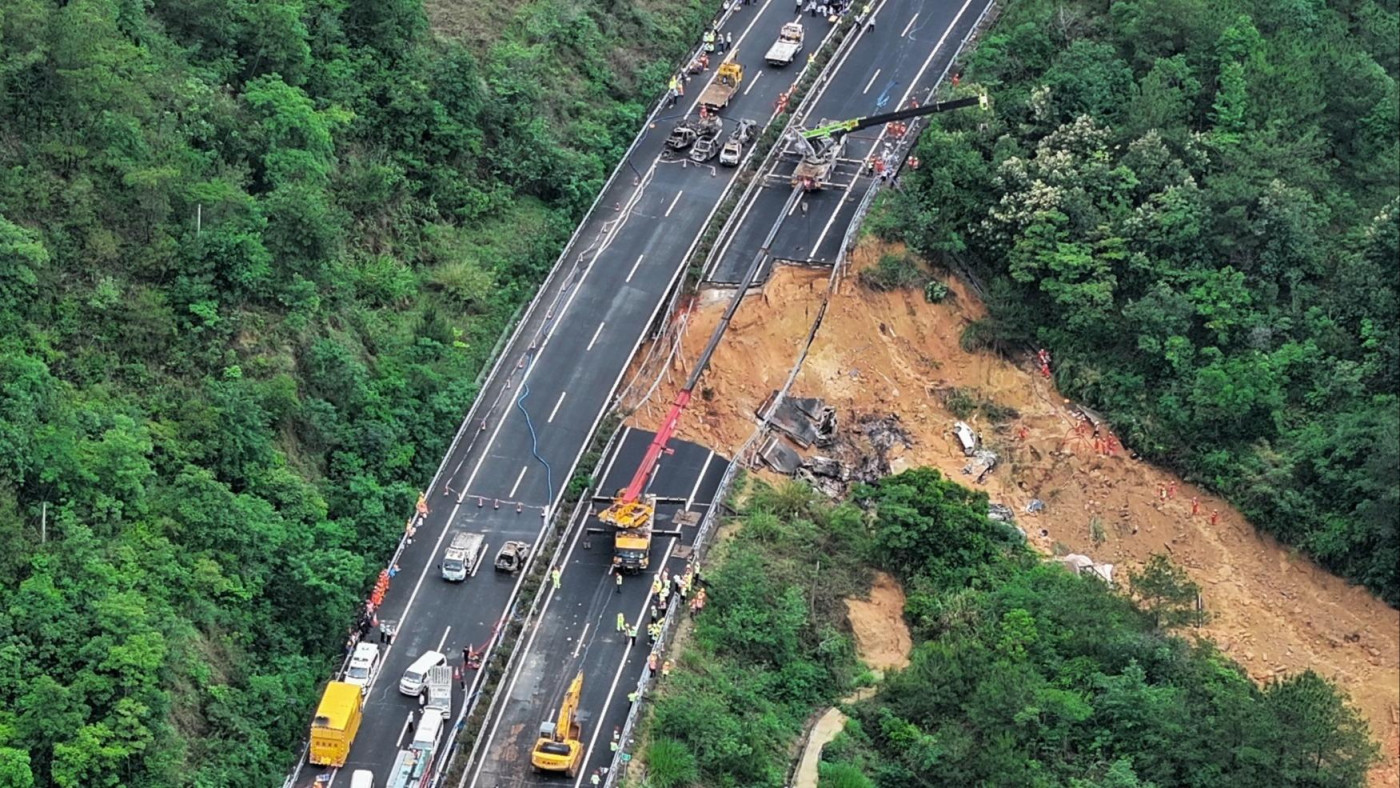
(468, 709)
(623, 757)
(498, 354)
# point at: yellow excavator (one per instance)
(559, 748)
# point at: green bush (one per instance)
(670, 764)
(935, 292)
(893, 272)
(1210, 260)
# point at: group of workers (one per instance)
(715, 41)
(833, 10)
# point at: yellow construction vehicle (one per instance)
(722, 88)
(559, 748)
(632, 511)
(632, 540)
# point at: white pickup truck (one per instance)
(785, 49)
(460, 559)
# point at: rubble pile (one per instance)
(807, 420)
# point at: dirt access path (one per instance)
(882, 643)
(1272, 610)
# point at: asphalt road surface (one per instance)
(902, 57)
(537, 411)
(578, 627)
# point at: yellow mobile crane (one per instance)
(559, 748)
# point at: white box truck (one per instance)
(462, 555)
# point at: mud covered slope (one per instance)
(893, 354)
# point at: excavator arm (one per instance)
(559, 748)
(569, 707)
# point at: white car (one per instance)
(364, 663)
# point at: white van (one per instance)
(416, 677)
(426, 735)
(364, 663)
(462, 556)
(362, 778)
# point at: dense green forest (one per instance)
(253, 256)
(1023, 674)
(1195, 206)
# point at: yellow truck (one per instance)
(336, 722)
(725, 84)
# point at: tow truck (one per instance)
(723, 87)
(559, 747)
(785, 49)
(819, 148)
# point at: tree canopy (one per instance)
(252, 257)
(1194, 206)
(1022, 673)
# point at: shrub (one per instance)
(893, 272)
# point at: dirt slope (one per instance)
(1273, 611)
(882, 637)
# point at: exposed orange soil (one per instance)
(1272, 610)
(882, 637)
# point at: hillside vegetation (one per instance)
(252, 257)
(1194, 205)
(1023, 674)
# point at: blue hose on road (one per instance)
(535, 442)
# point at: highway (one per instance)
(577, 630)
(512, 457)
(901, 58)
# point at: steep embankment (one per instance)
(1272, 610)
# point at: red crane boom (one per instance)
(655, 450)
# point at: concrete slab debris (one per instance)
(807, 420)
(830, 476)
(1081, 564)
(827, 467)
(778, 455)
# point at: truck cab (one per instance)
(632, 550)
(461, 557)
